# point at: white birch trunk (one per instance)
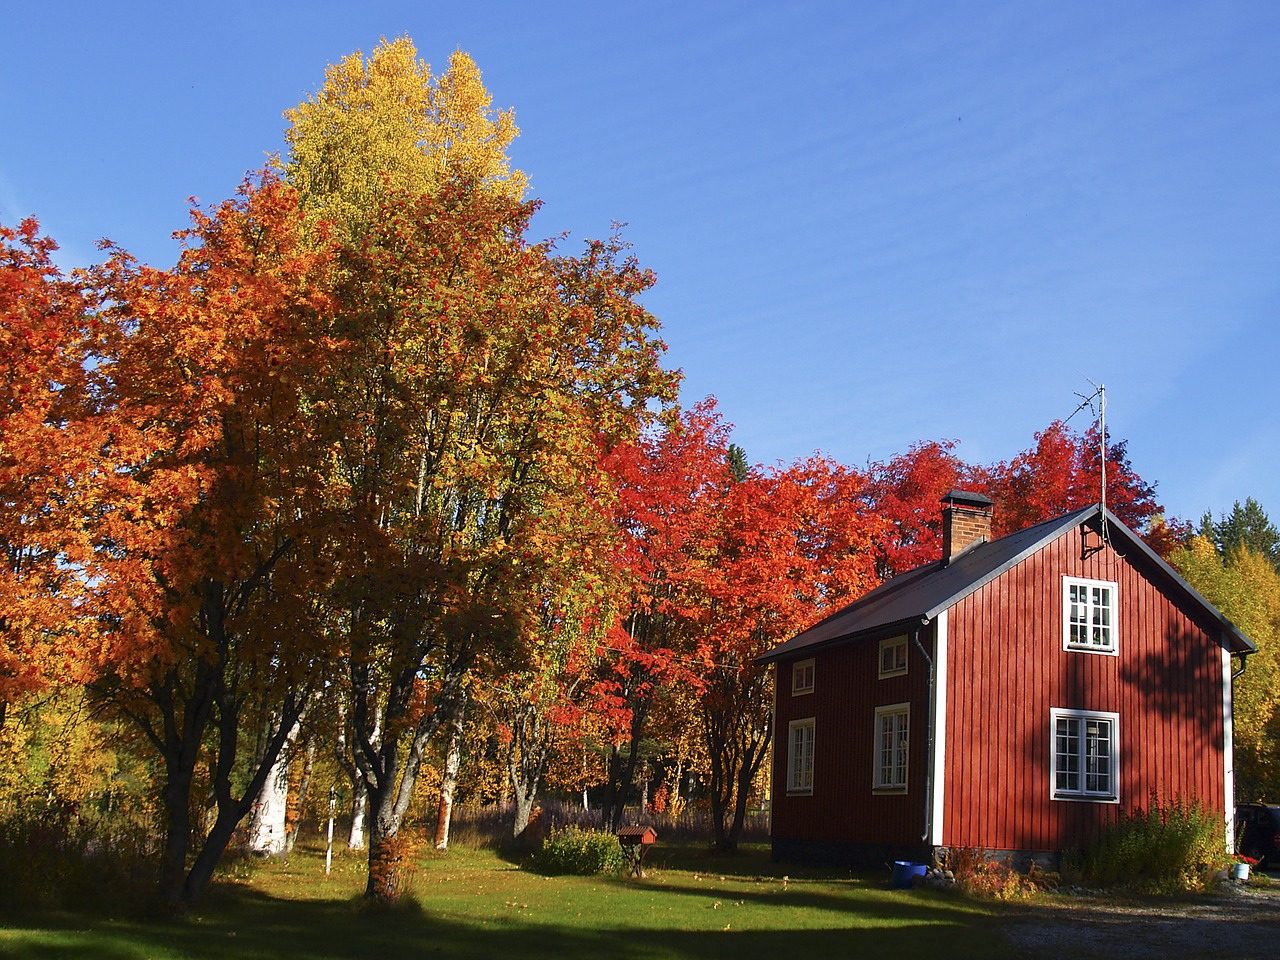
(452, 763)
(268, 823)
(359, 814)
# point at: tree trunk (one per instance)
(390, 773)
(622, 767)
(449, 782)
(359, 814)
(385, 850)
(268, 822)
(183, 892)
(177, 839)
(294, 817)
(348, 762)
(737, 723)
(183, 722)
(527, 754)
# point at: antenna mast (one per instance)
(1102, 446)
(1099, 391)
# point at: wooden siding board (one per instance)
(1007, 667)
(846, 693)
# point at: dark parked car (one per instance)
(1258, 833)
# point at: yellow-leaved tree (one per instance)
(1246, 587)
(385, 124)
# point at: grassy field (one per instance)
(474, 903)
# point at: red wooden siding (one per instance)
(1007, 668)
(842, 807)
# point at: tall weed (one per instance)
(53, 859)
(1173, 846)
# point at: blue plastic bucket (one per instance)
(903, 873)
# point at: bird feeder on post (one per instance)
(636, 842)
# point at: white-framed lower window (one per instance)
(801, 677)
(1085, 746)
(890, 754)
(893, 657)
(1089, 615)
(800, 756)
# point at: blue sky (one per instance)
(873, 223)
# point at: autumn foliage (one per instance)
(45, 450)
(370, 459)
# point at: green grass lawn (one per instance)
(474, 903)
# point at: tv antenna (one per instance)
(1099, 394)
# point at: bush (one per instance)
(1173, 846)
(977, 875)
(574, 850)
(51, 859)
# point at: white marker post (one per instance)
(328, 852)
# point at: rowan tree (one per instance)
(207, 533)
(46, 447)
(786, 547)
(1061, 472)
(905, 490)
(1064, 472)
(481, 379)
(667, 484)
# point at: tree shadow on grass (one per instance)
(260, 928)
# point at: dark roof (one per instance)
(919, 595)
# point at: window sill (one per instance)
(1085, 798)
(888, 790)
(1101, 651)
(800, 793)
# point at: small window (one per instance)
(800, 757)
(891, 748)
(802, 677)
(893, 657)
(1088, 615)
(1086, 755)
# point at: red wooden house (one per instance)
(1012, 697)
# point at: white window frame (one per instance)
(1077, 725)
(899, 665)
(800, 741)
(1093, 611)
(802, 673)
(891, 749)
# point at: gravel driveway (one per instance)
(1237, 923)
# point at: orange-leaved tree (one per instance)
(905, 490)
(210, 380)
(46, 448)
(1064, 471)
(785, 547)
(482, 378)
(668, 485)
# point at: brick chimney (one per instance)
(966, 520)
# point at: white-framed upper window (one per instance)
(801, 677)
(893, 657)
(1086, 755)
(1089, 615)
(891, 748)
(800, 756)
